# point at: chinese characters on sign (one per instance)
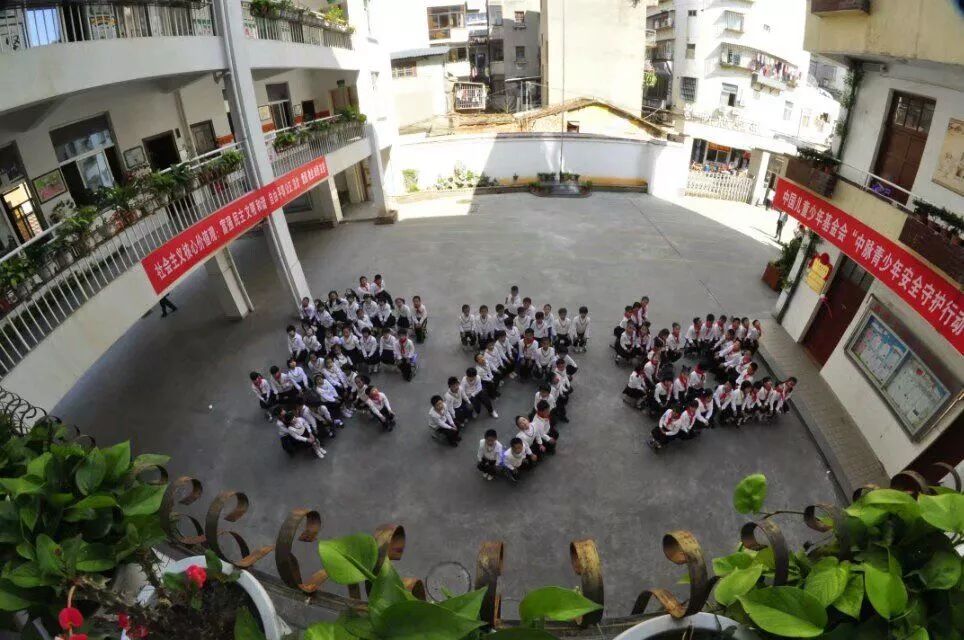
(199, 241)
(933, 297)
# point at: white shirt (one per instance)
(722, 397)
(493, 358)
(692, 334)
(484, 372)
(298, 429)
(513, 337)
(378, 404)
(673, 342)
(562, 327)
(360, 291)
(485, 326)
(339, 304)
(697, 380)
(628, 342)
(312, 344)
(512, 303)
(541, 330)
(262, 389)
(405, 349)
(404, 311)
(370, 307)
(686, 421)
(325, 319)
(384, 312)
(454, 400)
(636, 381)
(362, 323)
(649, 371)
(545, 357)
(421, 316)
(551, 399)
(471, 388)
(466, 323)
(661, 391)
(368, 346)
(512, 460)
(442, 420)
(325, 389)
(316, 367)
(349, 342)
(298, 377)
(493, 453)
(335, 376)
(753, 333)
(679, 388)
(704, 412)
(296, 344)
(581, 326)
(331, 341)
(668, 424)
(541, 426)
(308, 312)
(529, 350)
(523, 321)
(388, 343)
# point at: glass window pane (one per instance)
(95, 172)
(913, 114)
(927, 114)
(900, 113)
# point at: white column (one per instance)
(356, 183)
(224, 280)
(759, 161)
(376, 170)
(244, 113)
(325, 205)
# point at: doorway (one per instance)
(204, 139)
(161, 151)
(846, 293)
(24, 217)
(279, 102)
(902, 145)
(308, 110)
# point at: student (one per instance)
(763, 390)
(723, 403)
(308, 312)
(512, 302)
(334, 337)
(545, 358)
(500, 315)
(267, 397)
(353, 303)
(532, 438)
(302, 411)
(667, 429)
(335, 376)
(513, 338)
(442, 421)
(297, 375)
(350, 397)
(316, 366)
(696, 382)
(651, 370)
(742, 327)
(458, 402)
(562, 329)
(704, 412)
(687, 421)
(331, 400)
(467, 327)
(681, 385)
(662, 396)
(627, 347)
(494, 360)
(753, 333)
(405, 355)
(472, 386)
(526, 316)
(739, 401)
(350, 345)
(543, 394)
(385, 314)
(403, 314)
(387, 347)
(750, 405)
(380, 408)
(541, 423)
(364, 289)
(515, 459)
(777, 401)
(370, 307)
(540, 327)
(580, 325)
(692, 342)
(635, 391)
(361, 384)
(642, 312)
(419, 319)
(550, 319)
(484, 326)
(378, 287)
(711, 333)
(338, 307)
(527, 354)
(368, 349)
(703, 336)
(674, 344)
(747, 372)
(362, 322)
(294, 431)
(560, 385)
(312, 343)
(324, 320)
(506, 354)
(489, 383)
(570, 365)
(489, 454)
(296, 345)
(626, 320)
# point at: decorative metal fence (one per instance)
(722, 186)
(311, 140)
(296, 25)
(27, 25)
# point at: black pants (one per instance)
(486, 466)
(451, 435)
(340, 316)
(355, 356)
(580, 340)
(420, 332)
(625, 354)
(491, 388)
(407, 368)
(167, 305)
(289, 397)
(463, 413)
(563, 341)
(387, 419)
(334, 408)
(661, 437)
(468, 338)
(269, 402)
(481, 399)
(403, 323)
(525, 368)
(635, 394)
(387, 357)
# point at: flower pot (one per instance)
(274, 627)
(704, 626)
(771, 276)
(23, 289)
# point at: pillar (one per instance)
(325, 205)
(356, 184)
(376, 170)
(227, 286)
(239, 87)
(759, 161)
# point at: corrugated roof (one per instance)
(419, 53)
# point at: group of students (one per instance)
(517, 342)
(324, 381)
(684, 402)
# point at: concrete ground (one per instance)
(155, 386)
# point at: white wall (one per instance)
(944, 85)
(420, 98)
(662, 164)
(803, 306)
(871, 414)
(402, 24)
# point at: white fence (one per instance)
(722, 186)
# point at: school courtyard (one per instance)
(180, 386)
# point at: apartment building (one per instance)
(514, 43)
(127, 127)
(737, 71)
(593, 49)
(878, 302)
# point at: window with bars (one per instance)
(498, 50)
(728, 97)
(404, 68)
(520, 19)
(787, 110)
(691, 50)
(733, 21)
(687, 88)
(441, 21)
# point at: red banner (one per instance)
(192, 246)
(932, 296)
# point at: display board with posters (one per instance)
(885, 351)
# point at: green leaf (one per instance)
(91, 472)
(28, 575)
(50, 557)
(736, 583)
(852, 599)
(118, 460)
(892, 501)
(750, 493)
(28, 515)
(245, 627)
(94, 558)
(38, 466)
(827, 580)
(323, 631)
(417, 620)
(213, 563)
(521, 634)
(917, 634)
(12, 598)
(785, 611)
(174, 582)
(885, 587)
(468, 605)
(150, 460)
(555, 603)
(945, 511)
(387, 589)
(17, 487)
(869, 516)
(349, 560)
(942, 571)
(727, 564)
(26, 551)
(143, 499)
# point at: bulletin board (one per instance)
(912, 382)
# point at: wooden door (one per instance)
(847, 291)
(902, 147)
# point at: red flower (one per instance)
(70, 618)
(123, 621)
(197, 575)
(140, 631)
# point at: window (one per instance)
(728, 97)
(913, 113)
(458, 54)
(687, 89)
(766, 27)
(22, 213)
(787, 110)
(498, 54)
(520, 20)
(87, 157)
(495, 15)
(279, 101)
(691, 13)
(404, 68)
(441, 21)
(520, 54)
(805, 118)
(203, 134)
(718, 154)
(691, 50)
(664, 50)
(733, 21)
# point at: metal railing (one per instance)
(314, 139)
(74, 268)
(724, 118)
(882, 188)
(722, 186)
(469, 96)
(299, 26)
(27, 25)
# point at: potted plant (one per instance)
(268, 9)
(776, 272)
(701, 626)
(123, 199)
(284, 140)
(816, 170)
(17, 274)
(78, 229)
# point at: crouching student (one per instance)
(635, 391)
(570, 366)
(527, 354)
(542, 423)
(388, 348)
(312, 343)
(545, 358)
(419, 319)
(687, 424)
(467, 327)
(442, 421)
(515, 459)
(489, 383)
(296, 345)
(561, 388)
(544, 394)
(368, 350)
(380, 408)
(489, 454)
(295, 432)
(562, 329)
(473, 389)
(580, 326)
(704, 412)
(532, 438)
(331, 400)
(723, 403)
(673, 350)
(627, 345)
(662, 396)
(458, 402)
(285, 388)
(667, 429)
(317, 417)
(405, 355)
(777, 402)
(267, 398)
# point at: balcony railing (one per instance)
(61, 269)
(27, 25)
(830, 7)
(650, 37)
(766, 66)
(469, 96)
(299, 26)
(776, 82)
(725, 118)
(292, 147)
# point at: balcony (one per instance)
(768, 70)
(833, 7)
(770, 83)
(58, 48)
(818, 180)
(292, 147)
(650, 38)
